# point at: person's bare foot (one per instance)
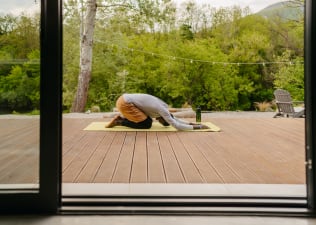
(116, 121)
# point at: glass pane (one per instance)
(227, 60)
(19, 94)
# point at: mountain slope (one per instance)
(286, 10)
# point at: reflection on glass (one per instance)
(221, 59)
(19, 94)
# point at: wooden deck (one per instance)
(247, 150)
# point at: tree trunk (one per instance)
(84, 77)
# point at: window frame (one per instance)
(227, 204)
(310, 101)
(49, 197)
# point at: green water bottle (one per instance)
(198, 114)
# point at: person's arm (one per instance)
(176, 123)
(199, 126)
(196, 126)
(180, 124)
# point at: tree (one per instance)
(71, 52)
(86, 52)
(290, 76)
(85, 58)
(186, 32)
(19, 69)
(7, 24)
(19, 90)
(143, 48)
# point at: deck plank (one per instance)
(19, 151)
(205, 168)
(211, 147)
(122, 173)
(265, 149)
(140, 159)
(91, 168)
(172, 168)
(106, 170)
(189, 170)
(81, 156)
(156, 172)
(244, 163)
(247, 150)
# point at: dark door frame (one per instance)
(47, 197)
(310, 100)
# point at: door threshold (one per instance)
(159, 189)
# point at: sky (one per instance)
(254, 5)
(18, 6)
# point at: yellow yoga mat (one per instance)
(156, 126)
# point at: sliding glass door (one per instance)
(42, 150)
(136, 164)
(30, 74)
(99, 162)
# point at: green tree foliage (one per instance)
(186, 32)
(219, 59)
(21, 36)
(290, 76)
(19, 63)
(20, 88)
